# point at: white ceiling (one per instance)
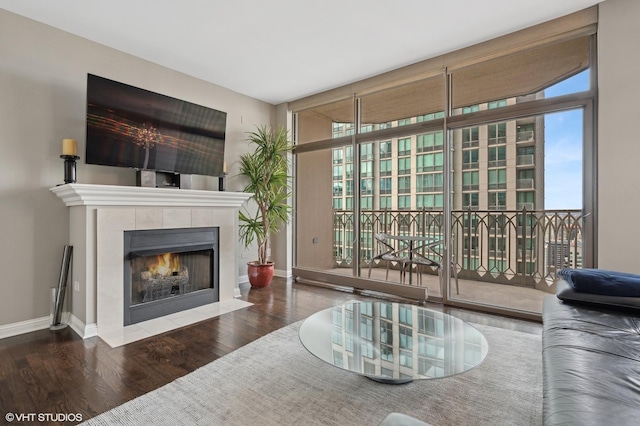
(281, 50)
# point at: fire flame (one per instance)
(165, 266)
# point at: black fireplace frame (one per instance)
(154, 241)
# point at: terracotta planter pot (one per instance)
(260, 275)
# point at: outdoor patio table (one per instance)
(410, 243)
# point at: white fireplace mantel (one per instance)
(98, 217)
(75, 194)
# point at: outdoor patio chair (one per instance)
(388, 254)
(420, 260)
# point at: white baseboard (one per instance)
(283, 273)
(243, 279)
(81, 329)
(22, 327)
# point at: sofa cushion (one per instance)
(601, 281)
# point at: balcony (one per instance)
(497, 163)
(467, 166)
(498, 185)
(544, 241)
(527, 183)
(498, 140)
(525, 136)
(437, 188)
(525, 160)
(429, 148)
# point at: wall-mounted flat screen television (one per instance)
(132, 127)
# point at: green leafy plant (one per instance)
(267, 169)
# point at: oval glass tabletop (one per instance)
(393, 342)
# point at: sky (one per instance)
(563, 149)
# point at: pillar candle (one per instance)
(224, 167)
(69, 147)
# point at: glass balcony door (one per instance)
(519, 218)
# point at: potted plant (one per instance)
(267, 170)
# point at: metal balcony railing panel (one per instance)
(496, 163)
(499, 185)
(431, 148)
(471, 144)
(534, 244)
(527, 183)
(467, 166)
(525, 160)
(525, 136)
(498, 140)
(436, 189)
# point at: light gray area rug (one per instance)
(275, 381)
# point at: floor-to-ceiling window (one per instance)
(525, 220)
(468, 158)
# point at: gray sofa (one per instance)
(591, 359)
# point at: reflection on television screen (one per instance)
(136, 128)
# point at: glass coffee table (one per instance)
(393, 342)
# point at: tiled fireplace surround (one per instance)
(99, 215)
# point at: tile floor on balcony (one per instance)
(508, 296)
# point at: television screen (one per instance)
(132, 127)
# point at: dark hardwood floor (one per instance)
(57, 372)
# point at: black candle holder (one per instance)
(70, 168)
(222, 182)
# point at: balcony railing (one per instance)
(527, 183)
(472, 165)
(538, 243)
(429, 148)
(524, 136)
(525, 160)
(499, 140)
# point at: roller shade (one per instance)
(409, 100)
(519, 74)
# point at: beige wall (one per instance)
(43, 75)
(281, 243)
(618, 141)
